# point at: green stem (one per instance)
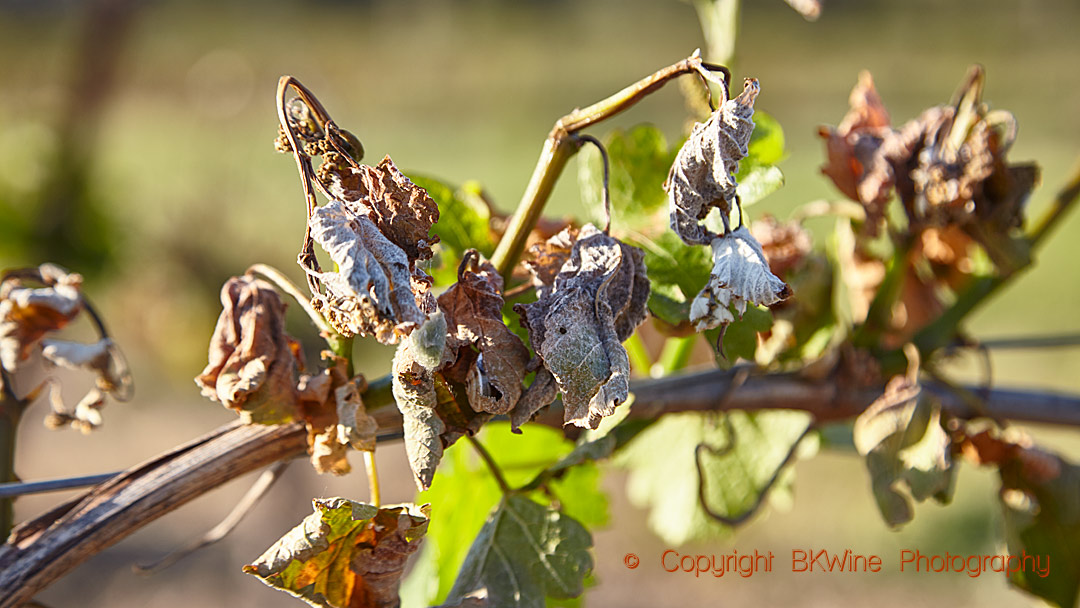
(560, 146)
(676, 353)
(10, 413)
(496, 472)
(881, 308)
(720, 26)
(639, 355)
(284, 284)
(942, 331)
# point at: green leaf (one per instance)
(1041, 505)
(740, 338)
(464, 222)
(524, 553)
(344, 555)
(677, 272)
(757, 181)
(464, 492)
(663, 472)
(767, 142)
(905, 445)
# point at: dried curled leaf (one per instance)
(858, 162)
(596, 301)
(112, 378)
(740, 274)
(904, 444)
(371, 293)
(703, 175)
(252, 362)
(430, 404)
(473, 309)
(28, 314)
(331, 405)
(345, 555)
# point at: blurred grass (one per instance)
(468, 90)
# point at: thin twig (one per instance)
(762, 493)
(21, 488)
(605, 188)
(283, 283)
(254, 494)
(496, 472)
(560, 146)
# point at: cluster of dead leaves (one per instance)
(257, 369)
(28, 316)
(459, 369)
(377, 231)
(948, 166)
(703, 178)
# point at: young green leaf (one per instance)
(344, 555)
(521, 457)
(524, 553)
(663, 468)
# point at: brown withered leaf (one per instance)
(785, 244)
(28, 314)
(430, 405)
(345, 555)
(547, 259)
(331, 406)
(473, 310)
(703, 175)
(252, 363)
(399, 208)
(372, 292)
(856, 161)
(112, 378)
(740, 274)
(577, 328)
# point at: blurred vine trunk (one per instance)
(69, 224)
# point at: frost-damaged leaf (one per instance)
(577, 326)
(904, 444)
(104, 360)
(703, 176)
(473, 308)
(28, 314)
(330, 403)
(464, 223)
(740, 274)
(663, 474)
(524, 553)
(857, 161)
(431, 408)
(401, 210)
(252, 361)
(371, 293)
(344, 555)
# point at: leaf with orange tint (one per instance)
(345, 555)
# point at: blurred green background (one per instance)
(136, 147)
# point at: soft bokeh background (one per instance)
(152, 123)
